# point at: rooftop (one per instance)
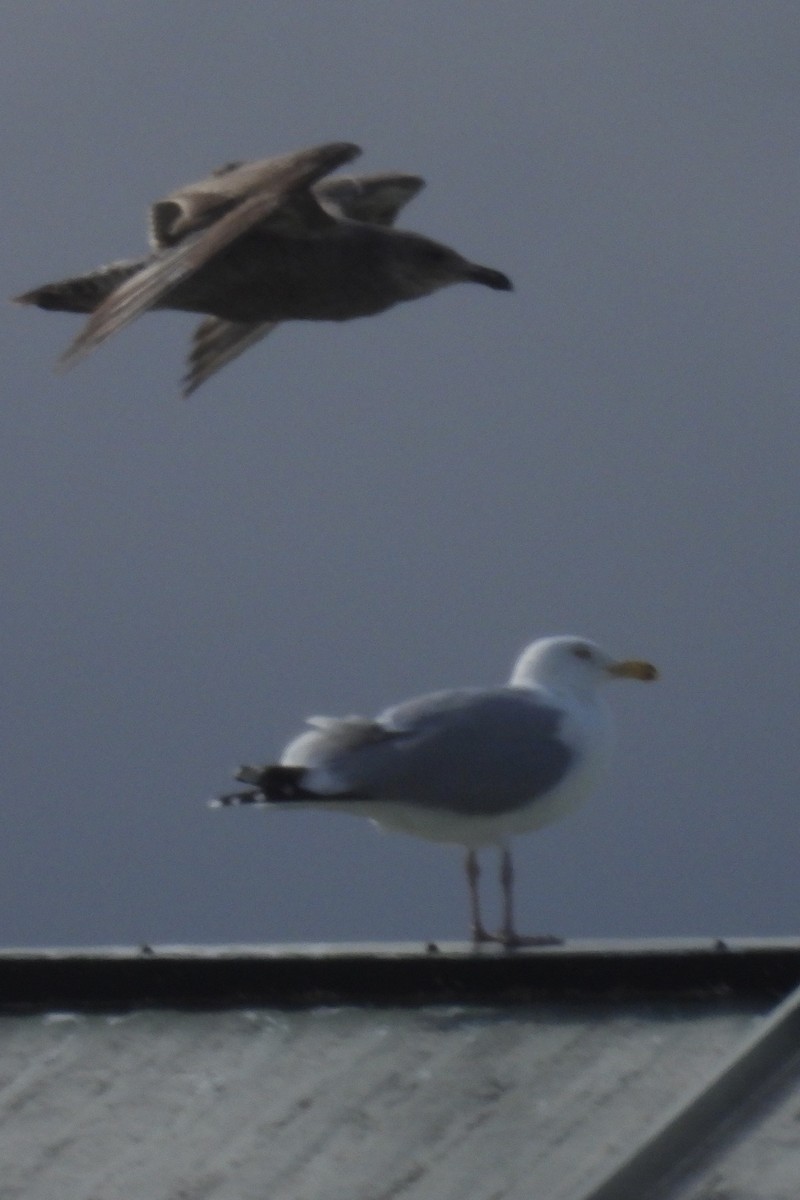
(593, 1071)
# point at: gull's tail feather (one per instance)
(272, 784)
(82, 293)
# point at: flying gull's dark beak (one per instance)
(492, 279)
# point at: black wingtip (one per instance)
(234, 799)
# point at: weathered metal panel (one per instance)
(760, 1157)
(343, 1104)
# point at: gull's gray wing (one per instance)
(376, 199)
(465, 752)
(281, 193)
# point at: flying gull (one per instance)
(263, 242)
(473, 767)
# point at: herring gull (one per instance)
(258, 243)
(472, 766)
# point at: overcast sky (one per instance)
(353, 514)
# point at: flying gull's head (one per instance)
(422, 266)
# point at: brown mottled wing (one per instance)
(376, 199)
(197, 205)
(215, 343)
(287, 199)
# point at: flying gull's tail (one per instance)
(82, 293)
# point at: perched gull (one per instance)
(262, 242)
(473, 766)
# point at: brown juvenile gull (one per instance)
(472, 766)
(262, 242)
(373, 198)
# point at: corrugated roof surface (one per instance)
(340, 1103)
(504, 1101)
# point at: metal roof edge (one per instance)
(114, 978)
(616, 946)
(697, 1117)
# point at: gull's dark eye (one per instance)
(582, 652)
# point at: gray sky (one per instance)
(351, 515)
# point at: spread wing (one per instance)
(197, 205)
(215, 343)
(205, 219)
(376, 199)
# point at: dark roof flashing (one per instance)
(393, 974)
